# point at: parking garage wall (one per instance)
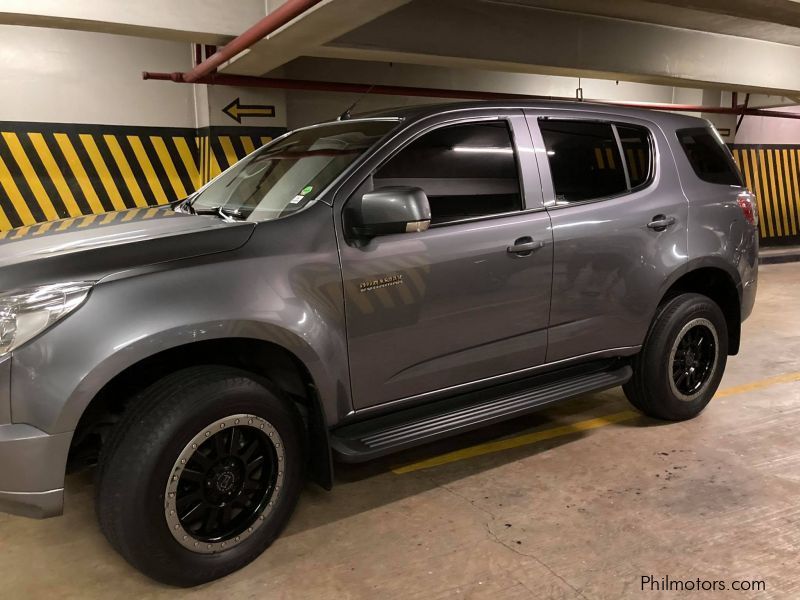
(54, 171)
(771, 172)
(83, 134)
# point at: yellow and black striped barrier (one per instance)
(87, 221)
(217, 151)
(771, 173)
(58, 171)
(61, 171)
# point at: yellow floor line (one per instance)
(548, 434)
(516, 442)
(757, 385)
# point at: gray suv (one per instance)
(356, 288)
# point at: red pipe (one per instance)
(274, 20)
(396, 90)
(329, 86)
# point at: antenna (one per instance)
(346, 114)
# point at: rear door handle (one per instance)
(661, 222)
(524, 246)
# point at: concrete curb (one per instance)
(774, 256)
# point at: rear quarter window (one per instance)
(708, 156)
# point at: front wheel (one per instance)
(201, 476)
(682, 361)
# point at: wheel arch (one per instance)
(717, 281)
(264, 359)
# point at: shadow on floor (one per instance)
(367, 486)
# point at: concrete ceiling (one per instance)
(745, 45)
(325, 22)
(771, 20)
(530, 36)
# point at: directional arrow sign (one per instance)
(237, 111)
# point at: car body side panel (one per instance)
(444, 319)
(718, 235)
(608, 266)
(5, 390)
(284, 288)
(464, 309)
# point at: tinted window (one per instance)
(708, 156)
(466, 171)
(584, 160)
(638, 153)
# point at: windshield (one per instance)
(289, 174)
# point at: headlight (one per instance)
(24, 314)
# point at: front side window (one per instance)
(467, 171)
(708, 156)
(289, 174)
(584, 160)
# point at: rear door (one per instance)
(619, 222)
(468, 299)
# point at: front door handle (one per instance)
(524, 246)
(661, 222)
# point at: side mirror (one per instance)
(391, 209)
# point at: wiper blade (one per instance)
(227, 214)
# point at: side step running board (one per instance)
(383, 435)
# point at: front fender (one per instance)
(55, 377)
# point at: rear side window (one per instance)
(708, 156)
(584, 160)
(638, 153)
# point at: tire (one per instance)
(244, 439)
(682, 361)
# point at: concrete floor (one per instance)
(580, 515)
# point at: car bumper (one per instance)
(32, 465)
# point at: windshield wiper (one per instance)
(226, 214)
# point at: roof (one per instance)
(663, 118)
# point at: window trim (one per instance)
(466, 121)
(525, 211)
(552, 204)
(651, 175)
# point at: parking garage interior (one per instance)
(113, 112)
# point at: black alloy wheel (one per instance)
(694, 357)
(223, 483)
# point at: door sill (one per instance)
(382, 435)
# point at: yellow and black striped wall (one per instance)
(771, 172)
(52, 171)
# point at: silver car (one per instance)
(356, 288)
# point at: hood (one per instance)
(95, 246)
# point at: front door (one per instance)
(469, 298)
(619, 221)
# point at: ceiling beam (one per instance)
(324, 22)
(464, 33)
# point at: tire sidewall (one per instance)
(658, 360)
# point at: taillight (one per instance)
(747, 202)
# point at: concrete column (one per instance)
(725, 124)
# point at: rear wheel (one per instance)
(201, 476)
(681, 364)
